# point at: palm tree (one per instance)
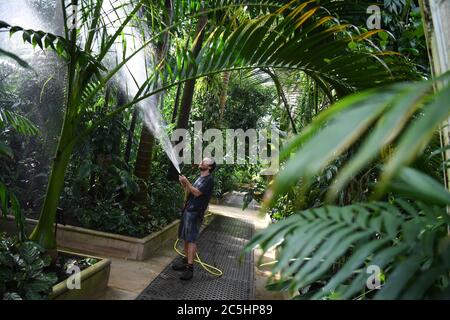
(84, 81)
(297, 35)
(403, 229)
(147, 140)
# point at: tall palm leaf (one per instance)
(406, 241)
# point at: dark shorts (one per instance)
(190, 224)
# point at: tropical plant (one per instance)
(407, 241)
(8, 201)
(404, 116)
(22, 274)
(81, 89)
(297, 35)
(19, 123)
(405, 234)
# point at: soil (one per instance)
(65, 264)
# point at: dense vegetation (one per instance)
(359, 111)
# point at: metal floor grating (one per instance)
(220, 245)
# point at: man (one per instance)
(199, 195)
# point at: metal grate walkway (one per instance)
(220, 244)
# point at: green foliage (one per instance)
(20, 123)
(408, 241)
(255, 191)
(300, 198)
(166, 197)
(330, 247)
(99, 190)
(107, 205)
(44, 40)
(247, 103)
(401, 21)
(259, 42)
(22, 274)
(205, 106)
(383, 118)
(10, 204)
(8, 201)
(224, 180)
(109, 216)
(394, 6)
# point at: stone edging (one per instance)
(92, 280)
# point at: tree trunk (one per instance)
(147, 140)
(44, 233)
(188, 92)
(142, 169)
(176, 103)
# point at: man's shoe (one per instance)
(180, 265)
(188, 273)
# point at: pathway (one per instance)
(220, 245)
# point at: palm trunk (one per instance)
(44, 233)
(176, 103)
(142, 169)
(147, 140)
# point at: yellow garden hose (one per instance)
(209, 268)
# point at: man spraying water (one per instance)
(197, 201)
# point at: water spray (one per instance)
(135, 75)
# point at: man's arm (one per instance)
(189, 187)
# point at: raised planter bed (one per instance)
(104, 243)
(93, 280)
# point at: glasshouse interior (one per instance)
(224, 150)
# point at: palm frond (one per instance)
(10, 204)
(404, 116)
(403, 234)
(20, 123)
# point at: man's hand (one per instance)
(183, 180)
(189, 187)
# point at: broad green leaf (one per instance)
(416, 185)
(398, 279)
